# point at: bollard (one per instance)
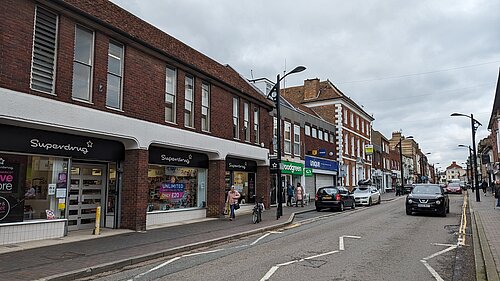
(97, 220)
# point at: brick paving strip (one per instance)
(486, 237)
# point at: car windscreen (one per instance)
(364, 190)
(327, 191)
(427, 189)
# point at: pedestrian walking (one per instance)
(484, 186)
(496, 188)
(289, 193)
(299, 194)
(232, 199)
(398, 190)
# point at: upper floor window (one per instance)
(82, 63)
(352, 146)
(296, 140)
(331, 137)
(170, 94)
(345, 116)
(275, 134)
(357, 123)
(287, 137)
(236, 118)
(189, 101)
(352, 120)
(314, 132)
(246, 121)
(115, 70)
(346, 144)
(256, 124)
(358, 154)
(320, 134)
(43, 64)
(325, 136)
(363, 127)
(205, 106)
(307, 130)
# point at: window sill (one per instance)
(115, 109)
(45, 93)
(82, 101)
(188, 127)
(208, 132)
(170, 123)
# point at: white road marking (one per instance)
(269, 273)
(320, 255)
(201, 253)
(260, 238)
(441, 252)
(341, 241)
(440, 244)
(432, 271)
(156, 268)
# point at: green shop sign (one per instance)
(308, 172)
(292, 168)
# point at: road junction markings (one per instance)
(273, 269)
(202, 253)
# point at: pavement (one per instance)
(81, 254)
(486, 235)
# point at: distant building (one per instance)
(454, 172)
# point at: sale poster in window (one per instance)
(172, 192)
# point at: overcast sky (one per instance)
(409, 63)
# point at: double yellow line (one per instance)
(463, 222)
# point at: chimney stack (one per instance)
(311, 88)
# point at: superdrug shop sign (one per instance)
(170, 157)
(18, 139)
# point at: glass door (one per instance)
(86, 192)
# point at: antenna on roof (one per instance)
(251, 73)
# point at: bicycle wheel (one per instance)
(254, 217)
(259, 216)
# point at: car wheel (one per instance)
(408, 211)
(442, 213)
(353, 205)
(448, 209)
(341, 207)
(318, 209)
(370, 202)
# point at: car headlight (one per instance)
(410, 201)
(438, 202)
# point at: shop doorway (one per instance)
(86, 192)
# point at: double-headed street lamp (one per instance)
(401, 158)
(274, 94)
(470, 162)
(474, 125)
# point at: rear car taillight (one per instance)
(316, 197)
(337, 197)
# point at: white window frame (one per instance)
(246, 121)
(287, 137)
(357, 122)
(256, 125)
(346, 145)
(332, 137)
(352, 120)
(296, 139)
(346, 117)
(88, 64)
(205, 106)
(275, 135)
(307, 130)
(120, 75)
(320, 134)
(314, 132)
(171, 80)
(189, 101)
(236, 118)
(353, 151)
(363, 127)
(326, 136)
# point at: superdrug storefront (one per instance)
(58, 179)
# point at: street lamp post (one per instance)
(470, 164)
(277, 99)
(473, 123)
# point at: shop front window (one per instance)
(34, 186)
(173, 187)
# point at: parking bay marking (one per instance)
(431, 270)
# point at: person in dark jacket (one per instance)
(289, 193)
(496, 188)
(484, 186)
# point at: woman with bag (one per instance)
(232, 199)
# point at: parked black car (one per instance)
(334, 197)
(428, 198)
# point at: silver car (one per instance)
(366, 195)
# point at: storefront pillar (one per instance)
(263, 181)
(134, 190)
(216, 188)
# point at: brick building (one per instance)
(352, 124)
(494, 128)
(382, 174)
(100, 108)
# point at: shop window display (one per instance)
(175, 188)
(35, 181)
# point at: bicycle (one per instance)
(257, 210)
